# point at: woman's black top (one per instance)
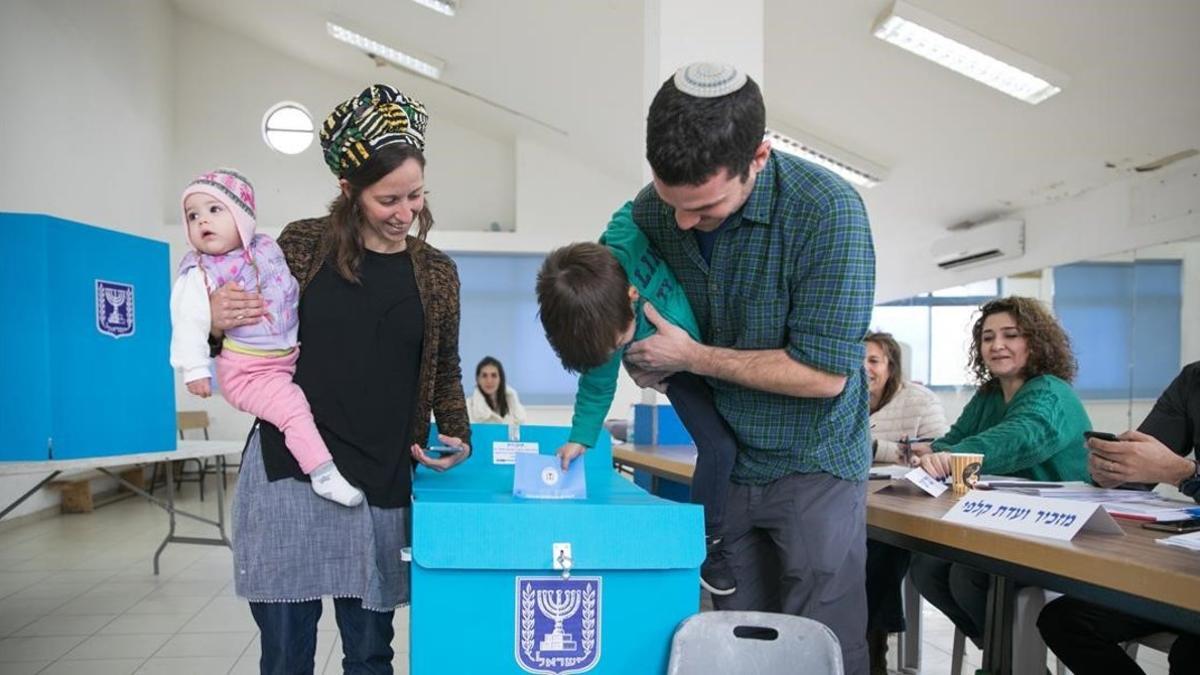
(360, 359)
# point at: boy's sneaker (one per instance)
(716, 576)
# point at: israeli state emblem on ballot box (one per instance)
(114, 308)
(558, 624)
(590, 578)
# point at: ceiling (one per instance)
(954, 149)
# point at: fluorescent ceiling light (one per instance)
(968, 53)
(383, 51)
(854, 169)
(439, 6)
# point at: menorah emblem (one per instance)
(116, 299)
(114, 308)
(558, 605)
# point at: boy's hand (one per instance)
(670, 350)
(568, 452)
(201, 387)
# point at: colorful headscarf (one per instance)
(378, 117)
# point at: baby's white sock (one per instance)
(328, 482)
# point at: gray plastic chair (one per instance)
(753, 643)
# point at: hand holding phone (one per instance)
(1100, 435)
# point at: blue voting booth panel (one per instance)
(658, 425)
(86, 362)
(487, 599)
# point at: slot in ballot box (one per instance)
(85, 353)
(488, 589)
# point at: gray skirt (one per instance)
(290, 545)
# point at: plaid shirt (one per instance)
(793, 270)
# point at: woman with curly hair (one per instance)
(1024, 419)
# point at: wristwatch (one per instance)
(1190, 486)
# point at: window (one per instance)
(499, 318)
(288, 128)
(1124, 324)
(936, 327)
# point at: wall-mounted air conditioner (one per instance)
(982, 243)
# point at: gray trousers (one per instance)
(799, 546)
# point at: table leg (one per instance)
(171, 513)
(909, 644)
(221, 508)
(997, 637)
(28, 494)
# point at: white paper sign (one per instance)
(1037, 516)
(929, 484)
(505, 452)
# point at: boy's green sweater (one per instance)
(1037, 435)
(655, 284)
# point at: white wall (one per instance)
(226, 82)
(86, 107)
(1112, 218)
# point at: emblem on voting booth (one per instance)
(114, 308)
(558, 624)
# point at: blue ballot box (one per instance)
(85, 357)
(488, 590)
(658, 425)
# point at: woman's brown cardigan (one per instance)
(306, 248)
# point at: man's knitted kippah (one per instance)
(709, 80)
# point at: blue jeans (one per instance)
(716, 446)
(289, 637)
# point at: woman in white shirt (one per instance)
(900, 412)
(485, 405)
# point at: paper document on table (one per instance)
(890, 470)
(1159, 509)
(1132, 504)
(1082, 492)
(932, 486)
(1190, 541)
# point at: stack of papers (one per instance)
(1190, 541)
(1159, 510)
(1129, 504)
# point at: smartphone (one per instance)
(1102, 435)
(1175, 526)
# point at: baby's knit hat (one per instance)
(234, 191)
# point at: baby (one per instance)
(257, 362)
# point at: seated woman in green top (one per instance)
(1024, 419)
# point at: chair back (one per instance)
(753, 642)
(192, 419)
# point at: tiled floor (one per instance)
(78, 596)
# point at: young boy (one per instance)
(257, 362)
(591, 299)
